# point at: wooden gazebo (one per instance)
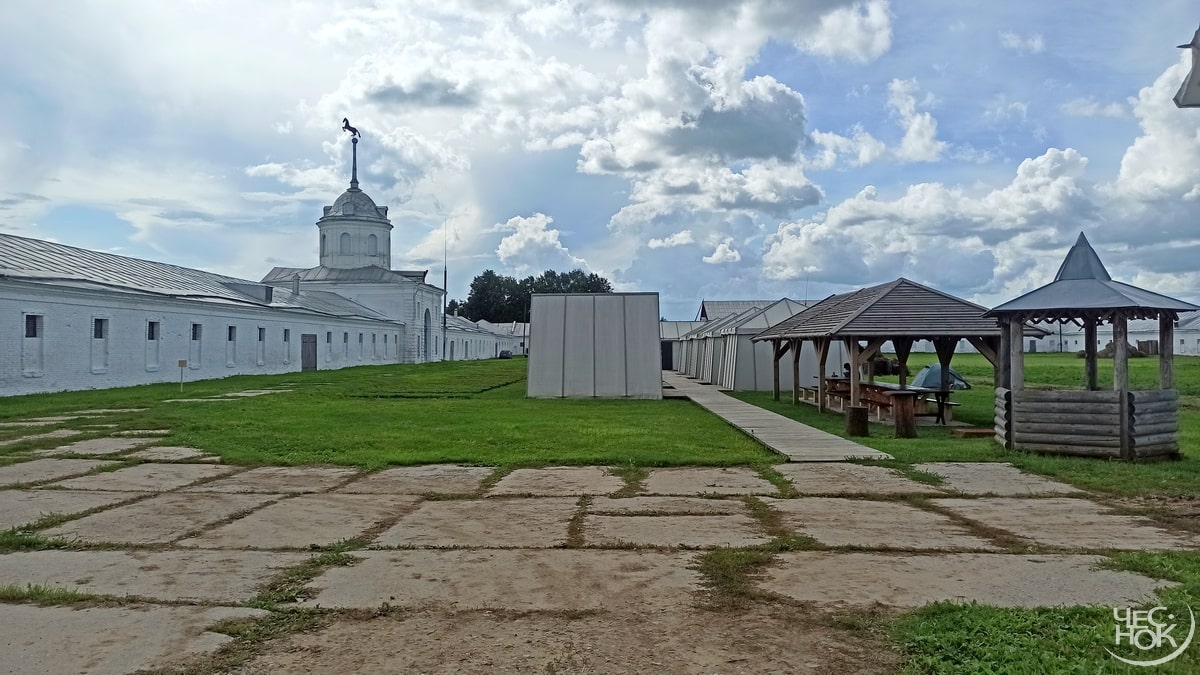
(900, 311)
(1119, 423)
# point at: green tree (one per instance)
(501, 299)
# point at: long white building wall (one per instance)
(67, 355)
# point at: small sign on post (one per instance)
(182, 365)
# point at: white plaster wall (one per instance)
(69, 351)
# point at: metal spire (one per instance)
(354, 164)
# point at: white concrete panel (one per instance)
(642, 358)
(545, 377)
(579, 346)
(610, 346)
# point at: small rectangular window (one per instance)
(372, 338)
(385, 339)
(33, 325)
(232, 335)
(262, 334)
(345, 338)
(99, 328)
(360, 338)
(196, 332)
(152, 330)
(287, 334)
(328, 337)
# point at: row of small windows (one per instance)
(346, 245)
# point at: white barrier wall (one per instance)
(603, 345)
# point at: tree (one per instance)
(501, 299)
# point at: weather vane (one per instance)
(1188, 95)
(346, 127)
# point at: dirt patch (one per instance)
(994, 478)
(1179, 511)
(733, 481)
(763, 639)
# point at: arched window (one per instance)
(322, 244)
(344, 244)
(372, 245)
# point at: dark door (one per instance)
(666, 356)
(308, 352)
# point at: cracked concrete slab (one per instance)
(510, 579)
(419, 480)
(994, 478)
(104, 640)
(57, 433)
(23, 507)
(835, 521)
(147, 477)
(689, 481)
(833, 478)
(280, 479)
(558, 481)
(142, 432)
(159, 520)
(493, 523)
(169, 453)
(169, 576)
(1069, 523)
(692, 506)
(305, 520)
(106, 411)
(998, 579)
(47, 469)
(677, 531)
(94, 446)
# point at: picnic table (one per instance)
(881, 395)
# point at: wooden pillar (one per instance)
(904, 413)
(1089, 352)
(775, 346)
(822, 345)
(1121, 379)
(852, 347)
(944, 347)
(903, 347)
(1016, 355)
(1166, 351)
(796, 344)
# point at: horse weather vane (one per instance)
(1188, 95)
(346, 127)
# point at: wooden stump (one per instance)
(904, 413)
(856, 420)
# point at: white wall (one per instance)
(72, 359)
(595, 345)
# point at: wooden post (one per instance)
(1089, 352)
(1121, 379)
(796, 371)
(856, 420)
(775, 344)
(1166, 351)
(1016, 355)
(904, 413)
(822, 345)
(945, 353)
(852, 348)
(903, 347)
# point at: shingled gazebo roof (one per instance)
(1084, 285)
(900, 308)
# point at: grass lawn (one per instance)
(469, 412)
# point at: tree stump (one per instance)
(856, 420)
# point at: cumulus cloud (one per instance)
(678, 239)
(723, 254)
(920, 143)
(1027, 44)
(533, 246)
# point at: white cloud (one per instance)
(534, 246)
(678, 239)
(723, 254)
(1089, 107)
(861, 32)
(1030, 44)
(920, 143)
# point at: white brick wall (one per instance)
(72, 359)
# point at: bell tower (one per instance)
(354, 231)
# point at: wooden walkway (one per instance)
(798, 442)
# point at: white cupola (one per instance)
(354, 231)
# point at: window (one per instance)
(328, 337)
(346, 345)
(32, 351)
(262, 334)
(196, 332)
(287, 345)
(322, 244)
(99, 329)
(230, 346)
(231, 334)
(33, 325)
(99, 345)
(151, 330)
(372, 245)
(287, 334)
(194, 353)
(260, 353)
(344, 244)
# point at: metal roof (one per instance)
(715, 309)
(711, 328)
(895, 309)
(370, 273)
(49, 263)
(754, 322)
(673, 330)
(1082, 284)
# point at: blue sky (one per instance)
(704, 149)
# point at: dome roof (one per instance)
(354, 202)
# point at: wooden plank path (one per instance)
(798, 442)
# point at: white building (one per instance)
(71, 318)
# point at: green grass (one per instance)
(936, 444)
(44, 596)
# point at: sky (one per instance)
(703, 149)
